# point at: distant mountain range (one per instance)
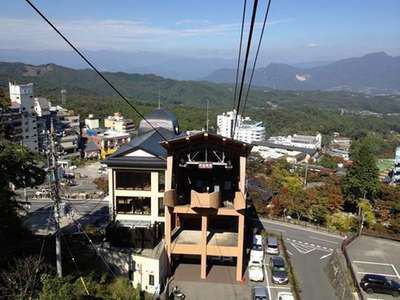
(141, 62)
(375, 73)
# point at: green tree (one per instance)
(18, 168)
(361, 180)
(367, 212)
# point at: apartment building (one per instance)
(247, 131)
(11, 124)
(118, 123)
(298, 140)
(91, 122)
(136, 178)
(205, 199)
(21, 96)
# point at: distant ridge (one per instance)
(375, 73)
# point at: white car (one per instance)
(257, 250)
(256, 272)
(285, 296)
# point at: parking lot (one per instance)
(375, 256)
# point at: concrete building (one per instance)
(42, 109)
(340, 147)
(136, 177)
(205, 199)
(118, 123)
(298, 140)
(247, 131)
(271, 151)
(21, 96)
(91, 122)
(11, 124)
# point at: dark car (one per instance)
(371, 283)
(260, 293)
(278, 270)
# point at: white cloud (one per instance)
(313, 45)
(115, 34)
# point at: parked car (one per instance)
(257, 250)
(278, 270)
(272, 246)
(256, 272)
(260, 293)
(285, 296)
(372, 283)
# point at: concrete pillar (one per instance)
(242, 175)
(203, 245)
(154, 196)
(168, 210)
(111, 186)
(239, 266)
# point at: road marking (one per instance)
(268, 287)
(322, 240)
(375, 298)
(397, 273)
(301, 249)
(290, 253)
(387, 275)
(280, 287)
(329, 254)
(370, 262)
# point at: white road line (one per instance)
(397, 273)
(329, 254)
(268, 287)
(280, 287)
(387, 275)
(370, 262)
(312, 245)
(324, 248)
(322, 240)
(301, 249)
(290, 253)
(375, 298)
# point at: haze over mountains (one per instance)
(372, 73)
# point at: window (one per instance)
(133, 205)
(151, 280)
(161, 210)
(161, 181)
(133, 180)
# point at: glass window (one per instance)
(161, 181)
(133, 205)
(133, 180)
(161, 210)
(151, 279)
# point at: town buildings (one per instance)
(339, 147)
(274, 151)
(21, 96)
(205, 199)
(136, 177)
(118, 123)
(11, 124)
(91, 122)
(299, 141)
(247, 131)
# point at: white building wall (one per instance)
(248, 133)
(23, 95)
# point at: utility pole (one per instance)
(207, 117)
(306, 174)
(56, 198)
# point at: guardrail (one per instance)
(343, 246)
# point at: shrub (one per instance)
(343, 222)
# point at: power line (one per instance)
(76, 265)
(92, 66)
(240, 53)
(80, 227)
(253, 17)
(255, 59)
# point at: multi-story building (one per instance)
(91, 122)
(42, 109)
(11, 124)
(118, 123)
(298, 140)
(136, 178)
(205, 198)
(21, 96)
(247, 131)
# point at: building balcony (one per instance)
(205, 200)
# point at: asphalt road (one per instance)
(309, 251)
(40, 217)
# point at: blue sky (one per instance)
(299, 31)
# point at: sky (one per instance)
(297, 31)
